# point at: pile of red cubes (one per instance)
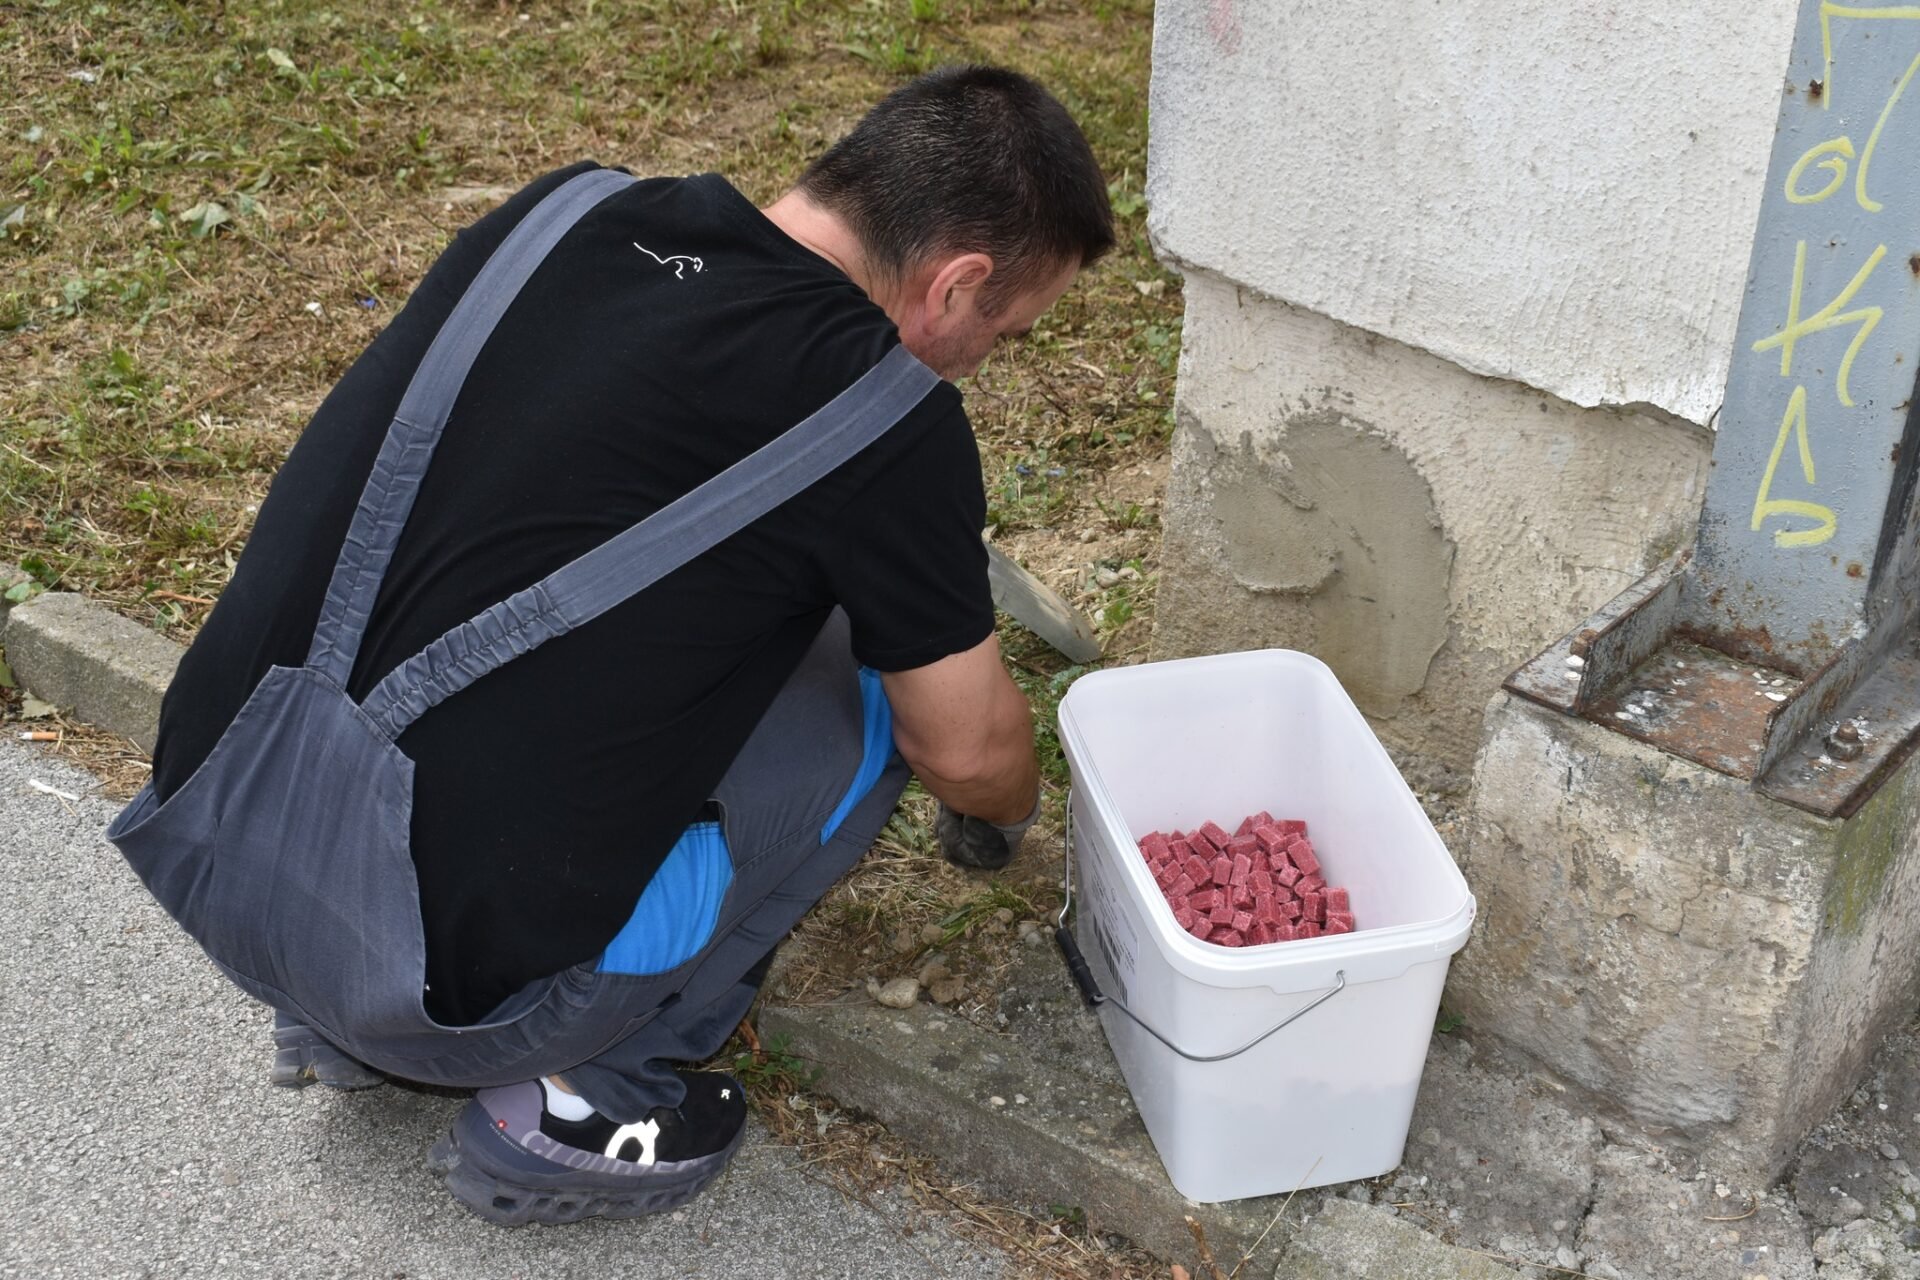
(1259, 885)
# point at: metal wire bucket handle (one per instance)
(1090, 990)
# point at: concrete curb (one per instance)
(1024, 1126)
(1011, 1114)
(78, 654)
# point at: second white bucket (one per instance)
(1328, 1099)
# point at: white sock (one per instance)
(564, 1105)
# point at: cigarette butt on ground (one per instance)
(40, 735)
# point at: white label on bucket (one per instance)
(1114, 933)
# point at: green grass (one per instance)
(206, 211)
(775, 1071)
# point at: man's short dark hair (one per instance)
(969, 159)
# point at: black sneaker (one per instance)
(302, 1056)
(512, 1161)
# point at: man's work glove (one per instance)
(975, 842)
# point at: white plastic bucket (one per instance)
(1328, 1099)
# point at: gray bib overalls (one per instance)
(286, 854)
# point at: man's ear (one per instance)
(952, 295)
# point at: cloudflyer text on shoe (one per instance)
(512, 1162)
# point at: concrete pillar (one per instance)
(1712, 962)
(1693, 830)
(1461, 286)
(1469, 287)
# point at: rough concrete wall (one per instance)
(1560, 194)
(1421, 529)
(1865, 974)
(1705, 958)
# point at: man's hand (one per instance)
(965, 728)
(975, 842)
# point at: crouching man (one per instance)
(592, 627)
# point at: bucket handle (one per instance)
(1090, 990)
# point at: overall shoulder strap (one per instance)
(631, 561)
(402, 462)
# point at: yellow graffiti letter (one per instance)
(1825, 318)
(1867, 202)
(1842, 147)
(1829, 11)
(1794, 423)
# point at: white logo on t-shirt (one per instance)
(679, 271)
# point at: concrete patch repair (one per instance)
(1304, 525)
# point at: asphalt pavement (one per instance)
(141, 1138)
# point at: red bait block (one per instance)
(1263, 884)
(1304, 857)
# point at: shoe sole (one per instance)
(302, 1056)
(497, 1179)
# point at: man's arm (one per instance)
(965, 728)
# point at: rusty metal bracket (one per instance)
(1571, 674)
(1824, 743)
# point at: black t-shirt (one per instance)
(547, 793)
